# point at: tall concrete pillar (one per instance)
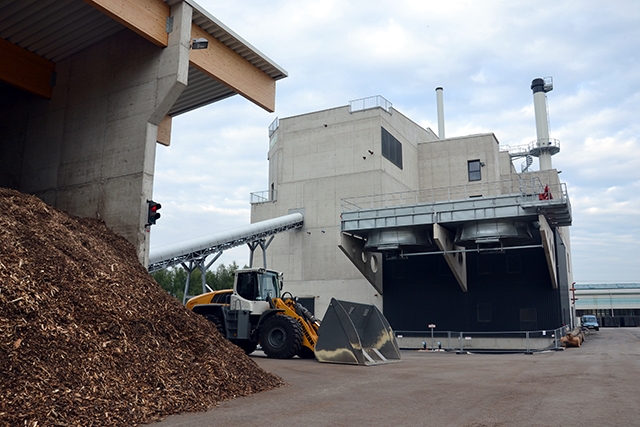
(90, 149)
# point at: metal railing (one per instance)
(516, 341)
(263, 197)
(370, 102)
(274, 126)
(529, 189)
(533, 148)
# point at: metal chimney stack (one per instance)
(440, 104)
(543, 148)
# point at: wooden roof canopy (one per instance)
(35, 34)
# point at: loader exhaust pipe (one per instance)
(355, 334)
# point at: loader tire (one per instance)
(248, 346)
(281, 337)
(216, 320)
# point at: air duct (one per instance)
(396, 238)
(502, 232)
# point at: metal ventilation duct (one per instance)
(500, 232)
(393, 239)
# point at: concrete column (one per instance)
(90, 150)
(173, 75)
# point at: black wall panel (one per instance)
(509, 291)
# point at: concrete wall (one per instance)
(316, 160)
(90, 150)
(443, 163)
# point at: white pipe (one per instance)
(182, 248)
(542, 122)
(440, 104)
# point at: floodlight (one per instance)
(199, 43)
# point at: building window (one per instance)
(474, 170)
(391, 148)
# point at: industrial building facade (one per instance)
(614, 304)
(434, 231)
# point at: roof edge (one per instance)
(202, 11)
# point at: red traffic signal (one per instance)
(153, 213)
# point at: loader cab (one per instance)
(253, 287)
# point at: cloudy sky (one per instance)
(483, 53)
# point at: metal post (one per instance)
(186, 285)
(203, 275)
(461, 344)
(431, 338)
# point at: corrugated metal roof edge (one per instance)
(199, 9)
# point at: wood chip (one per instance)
(88, 338)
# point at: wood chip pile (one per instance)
(88, 338)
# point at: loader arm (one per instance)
(307, 321)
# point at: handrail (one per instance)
(370, 102)
(465, 341)
(528, 189)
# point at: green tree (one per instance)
(173, 280)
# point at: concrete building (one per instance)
(614, 304)
(89, 87)
(432, 231)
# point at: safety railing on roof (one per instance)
(263, 196)
(529, 189)
(534, 148)
(274, 126)
(370, 102)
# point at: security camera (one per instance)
(199, 43)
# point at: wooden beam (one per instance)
(164, 131)
(146, 17)
(25, 69)
(221, 63)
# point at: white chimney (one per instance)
(440, 104)
(544, 147)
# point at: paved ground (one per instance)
(597, 384)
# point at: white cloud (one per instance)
(484, 54)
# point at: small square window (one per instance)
(474, 170)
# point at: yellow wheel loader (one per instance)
(255, 312)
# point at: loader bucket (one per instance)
(355, 334)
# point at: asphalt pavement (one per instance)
(597, 384)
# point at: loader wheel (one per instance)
(216, 320)
(281, 337)
(248, 346)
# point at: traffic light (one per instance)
(153, 213)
